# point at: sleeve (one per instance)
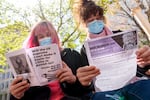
(35, 93)
(74, 63)
(13, 98)
(84, 56)
(141, 71)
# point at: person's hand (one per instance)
(148, 72)
(86, 74)
(143, 56)
(65, 74)
(18, 87)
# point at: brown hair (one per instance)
(83, 9)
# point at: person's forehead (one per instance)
(42, 34)
(95, 16)
(41, 31)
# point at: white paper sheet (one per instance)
(39, 64)
(115, 57)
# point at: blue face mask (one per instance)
(45, 41)
(95, 26)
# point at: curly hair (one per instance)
(83, 9)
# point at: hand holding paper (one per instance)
(115, 56)
(38, 63)
(143, 56)
(65, 74)
(18, 87)
(86, 74)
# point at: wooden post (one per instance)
(142, 20)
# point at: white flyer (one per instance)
(115, 56)
(37, 64)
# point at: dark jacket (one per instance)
(73, 91)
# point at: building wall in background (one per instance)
(5, 80)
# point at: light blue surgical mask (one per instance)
(96, 26)
(45, 41)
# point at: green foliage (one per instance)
(82, 37)
(105, 3)
(17, 21)
(71, 44)
(11, 38)
(2, 71)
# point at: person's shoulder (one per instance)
(66, 50)
(116, 31)
(69, 51)
(82, 50)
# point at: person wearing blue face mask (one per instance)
(67, 87)
(96, 26)
(45, 41)
(91, 18)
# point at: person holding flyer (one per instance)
(67, 87)
(91, 17)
